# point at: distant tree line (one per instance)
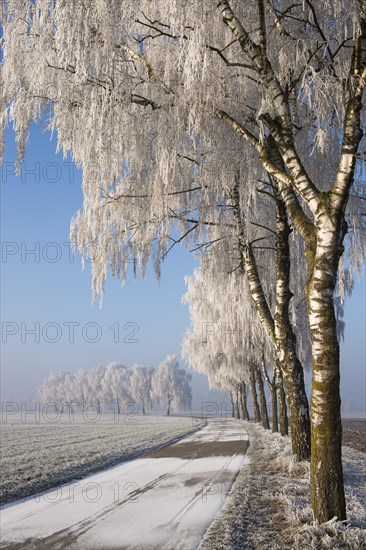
(115, 386)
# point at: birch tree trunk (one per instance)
(237, 404)
(243, 399)
(282, 407)
(168, 409)
(253, 390)
(272, 388)
(326, 475)
(274, 406)
(293, 373)
(232, 405)
(262, 398)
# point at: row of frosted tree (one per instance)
(233, 351)
(233, 127)
(116, 387)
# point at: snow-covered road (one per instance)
(166, 500)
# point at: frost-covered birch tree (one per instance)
(116, 385)
(171, 385)
(96, 390)
(225, 340)
(159, 102)
(52, 389)
(141, 386)
(81, 382)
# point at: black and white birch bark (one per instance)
(253, 391)
(285, 338)
(262, 397)
(272, 388)
(243, 401)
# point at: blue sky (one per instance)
(48, 287)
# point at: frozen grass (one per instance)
(36, 456)
(269, 505)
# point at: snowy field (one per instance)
(38, 455)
